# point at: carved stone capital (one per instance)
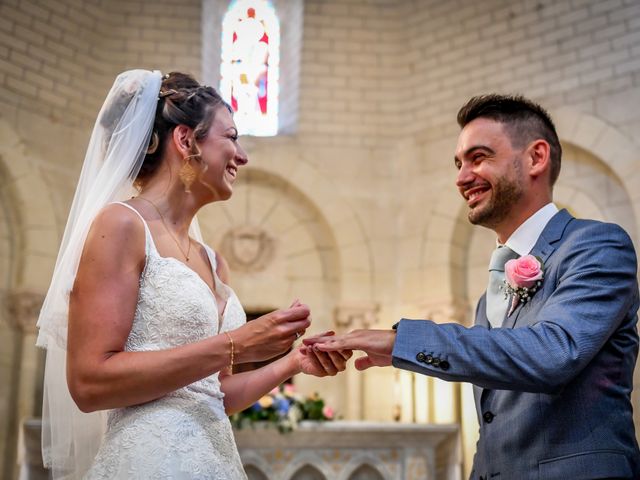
(23, 308)
(349, 316)
(447, 311)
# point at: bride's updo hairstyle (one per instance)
(181, 101)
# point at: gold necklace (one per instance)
(186, 255)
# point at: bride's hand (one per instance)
(321, 364)
(271, 334)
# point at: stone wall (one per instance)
(358, 195)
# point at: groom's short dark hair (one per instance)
(524, 121)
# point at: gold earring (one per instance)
(153, 145)
(187, 174)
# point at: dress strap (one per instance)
(212, 257)
(148, 238)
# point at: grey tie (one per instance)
(496, 302)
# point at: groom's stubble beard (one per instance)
(505, 195)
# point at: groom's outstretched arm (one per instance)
(595, 290)
(376, 344)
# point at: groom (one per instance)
(552, 365)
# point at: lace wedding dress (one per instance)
(185, 434)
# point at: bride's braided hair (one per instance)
(181, 101)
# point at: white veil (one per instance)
(70, 438)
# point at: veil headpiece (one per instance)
(120, 138)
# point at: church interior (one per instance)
(348, 201)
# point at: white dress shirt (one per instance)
(526, 235)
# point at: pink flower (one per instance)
(289, 390)
(328, 412)
(523, 272)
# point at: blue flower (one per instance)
(282, 406)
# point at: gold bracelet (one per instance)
(231, 344)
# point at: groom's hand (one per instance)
(376, 344)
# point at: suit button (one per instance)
(444, 365)
(436, 362)
(428, 359)
(420, 357)
(488, 417)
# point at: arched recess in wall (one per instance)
(35, 233)
(606, 143)
(256, 466)
(277, 243)
(442, 256)
(356, 265)
(308, 466)
(26, 221)
(254, 473)
(366, 466)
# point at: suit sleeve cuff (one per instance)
(411, 349)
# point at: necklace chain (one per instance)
(186, 255)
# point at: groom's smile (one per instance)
(475, 194)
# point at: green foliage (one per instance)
(284, 409)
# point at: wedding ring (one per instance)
(297, 335)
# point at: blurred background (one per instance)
(348, 201)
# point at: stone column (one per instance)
(23, 309)
(453, 402)
(347, 317)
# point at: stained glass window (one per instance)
(250, 63)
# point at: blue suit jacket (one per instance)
(553, 385)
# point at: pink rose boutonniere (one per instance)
(523, 278)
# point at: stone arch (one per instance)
(27, 243)
(36, 229)
(443, 252)
(254, 473)
(308, 472)
(592, 187)
(357, 263)
(304, 261)
(366, 461)
(617, 151)
(366, 472)
(310, 462)
(257, 465)
(286, 242)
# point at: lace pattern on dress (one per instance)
(185, 434)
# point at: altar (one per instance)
(337, 450)
(344, 450)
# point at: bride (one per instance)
(138, 321)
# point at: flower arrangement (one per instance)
(284, 408)
(523, 278)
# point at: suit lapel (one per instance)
(543, 249)
(481, 316)
(483, 321)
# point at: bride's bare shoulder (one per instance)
(119, 225)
